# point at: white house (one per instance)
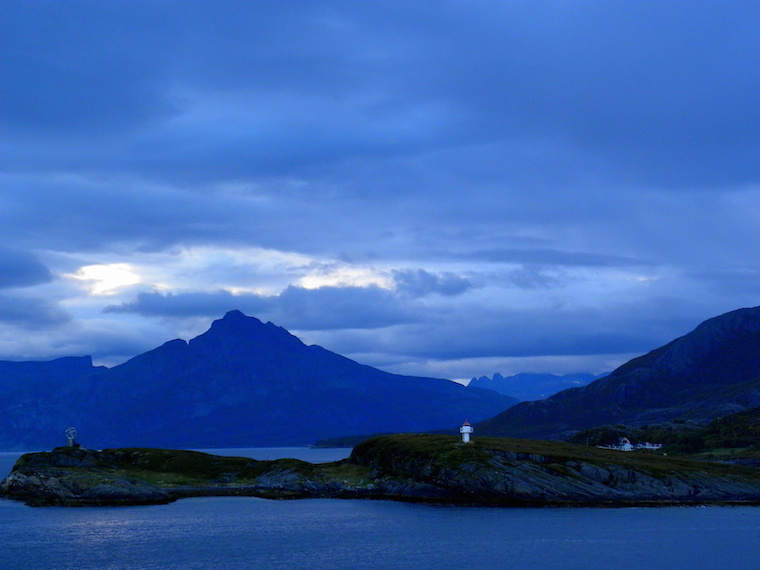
(624, 444)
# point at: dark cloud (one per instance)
(541, 256)
(418, 283)
(79, 69)
(535, 278)
(507, 155)
(366, 320)
(503, 332)
(190, 304)
(656, 93)
(21, 269)
(113, 214)
(29, 312)
(342, 308)
(296, 307)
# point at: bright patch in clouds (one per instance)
(346, 276)
(106, 279)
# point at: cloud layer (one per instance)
(454, 189)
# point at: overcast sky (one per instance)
(443, 188)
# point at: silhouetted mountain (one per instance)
(241, 383)
(36, 394)
(526, 387)
(19, 374)
(711, 372)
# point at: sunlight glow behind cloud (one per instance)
(106, 279)
(345, 276)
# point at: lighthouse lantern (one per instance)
(465, 430)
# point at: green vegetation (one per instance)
(739, 432)
(175, 469)
(447, 452)
(410, 467)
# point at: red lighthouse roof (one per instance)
(466, 423)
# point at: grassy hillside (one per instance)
(739, 433)
(447, 452)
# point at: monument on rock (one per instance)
(71, 436)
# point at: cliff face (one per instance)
(404, 467)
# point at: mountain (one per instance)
(532, 386)
(36, 394)
(241, 383)
(710, 372)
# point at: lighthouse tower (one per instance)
(465, 430)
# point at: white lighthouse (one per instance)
(465, 430)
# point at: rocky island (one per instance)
(425, 468)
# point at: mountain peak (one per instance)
(236, 321)
(235, 315)
(237, 331)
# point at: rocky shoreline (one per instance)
(488, 471)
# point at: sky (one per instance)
(438, 188)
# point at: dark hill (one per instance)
(242, 383)
(710, 372)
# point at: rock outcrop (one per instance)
(525, 472)
(401, 467)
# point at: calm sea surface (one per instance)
(232, 533)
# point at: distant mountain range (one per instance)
(711, 372)
(241, 383)
(246, 383)
(526, 387)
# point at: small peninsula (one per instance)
(406, 467)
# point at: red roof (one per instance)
(466, 423)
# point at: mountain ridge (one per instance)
(527, 386)
(240, 383)
(712, 371)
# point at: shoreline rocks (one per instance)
(421, 468)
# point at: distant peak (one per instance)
(234, 315)
(236, 319)
(235, 327)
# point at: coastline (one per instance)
(411, 468)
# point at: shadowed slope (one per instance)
(708, 373)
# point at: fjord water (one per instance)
(231, 533)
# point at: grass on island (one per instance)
(402, 454)
(168, 468)
(450, 452)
